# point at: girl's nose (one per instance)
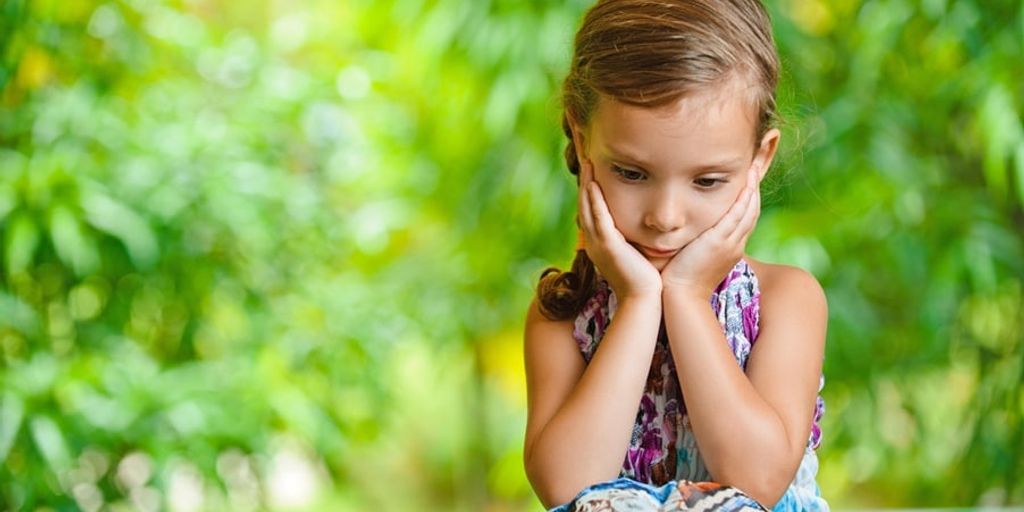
(665, 214)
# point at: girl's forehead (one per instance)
(710, 120)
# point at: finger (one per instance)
(584, 180)
(586, 213)
(751, 200)
(603, 221)
(586, 216)
(599, 210)
(746, 225)
(586, 174)
(727, 225)
(750, 215)
(757, 216)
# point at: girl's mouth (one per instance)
(651, 252)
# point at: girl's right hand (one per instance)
(627, 271)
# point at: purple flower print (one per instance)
(750, 320)
(641, 458)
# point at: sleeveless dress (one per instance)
(663, 450)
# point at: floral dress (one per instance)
(663, 449)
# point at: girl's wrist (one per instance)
(643, 292)
(681, 292)
(650, 299)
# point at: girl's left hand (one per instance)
(700, 266)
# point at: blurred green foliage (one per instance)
(276, 255)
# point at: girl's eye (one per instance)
(628, 174)
(707, 182)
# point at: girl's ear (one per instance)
(766, 152)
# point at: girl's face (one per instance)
(668, 174)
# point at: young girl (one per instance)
(667, 356)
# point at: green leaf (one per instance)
(120, 221)
(12, 169)
(12, 411)
(1018, 159)
(21, 243)
(18, 315)
(7, 202)
(50, 442)
(1001, 130)
(71, 244)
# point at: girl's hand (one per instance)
(628, 272)
(704, 262)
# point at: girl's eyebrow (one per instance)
(727, 164)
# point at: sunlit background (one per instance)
(275, 255)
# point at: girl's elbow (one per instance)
(550, 491)
(768, 496)
(766, 487)
(554, 498)
(767, 483)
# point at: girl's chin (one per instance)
(659, 263)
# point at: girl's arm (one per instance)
(580, 417)
(752, 428)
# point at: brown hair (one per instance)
(651, 53)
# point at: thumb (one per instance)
(586, 171)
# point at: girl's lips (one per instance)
(656, 253)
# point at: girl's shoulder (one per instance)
(787, 282)
(536, 319)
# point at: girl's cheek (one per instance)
(618, 202)
(706, 212)
(608, 191)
